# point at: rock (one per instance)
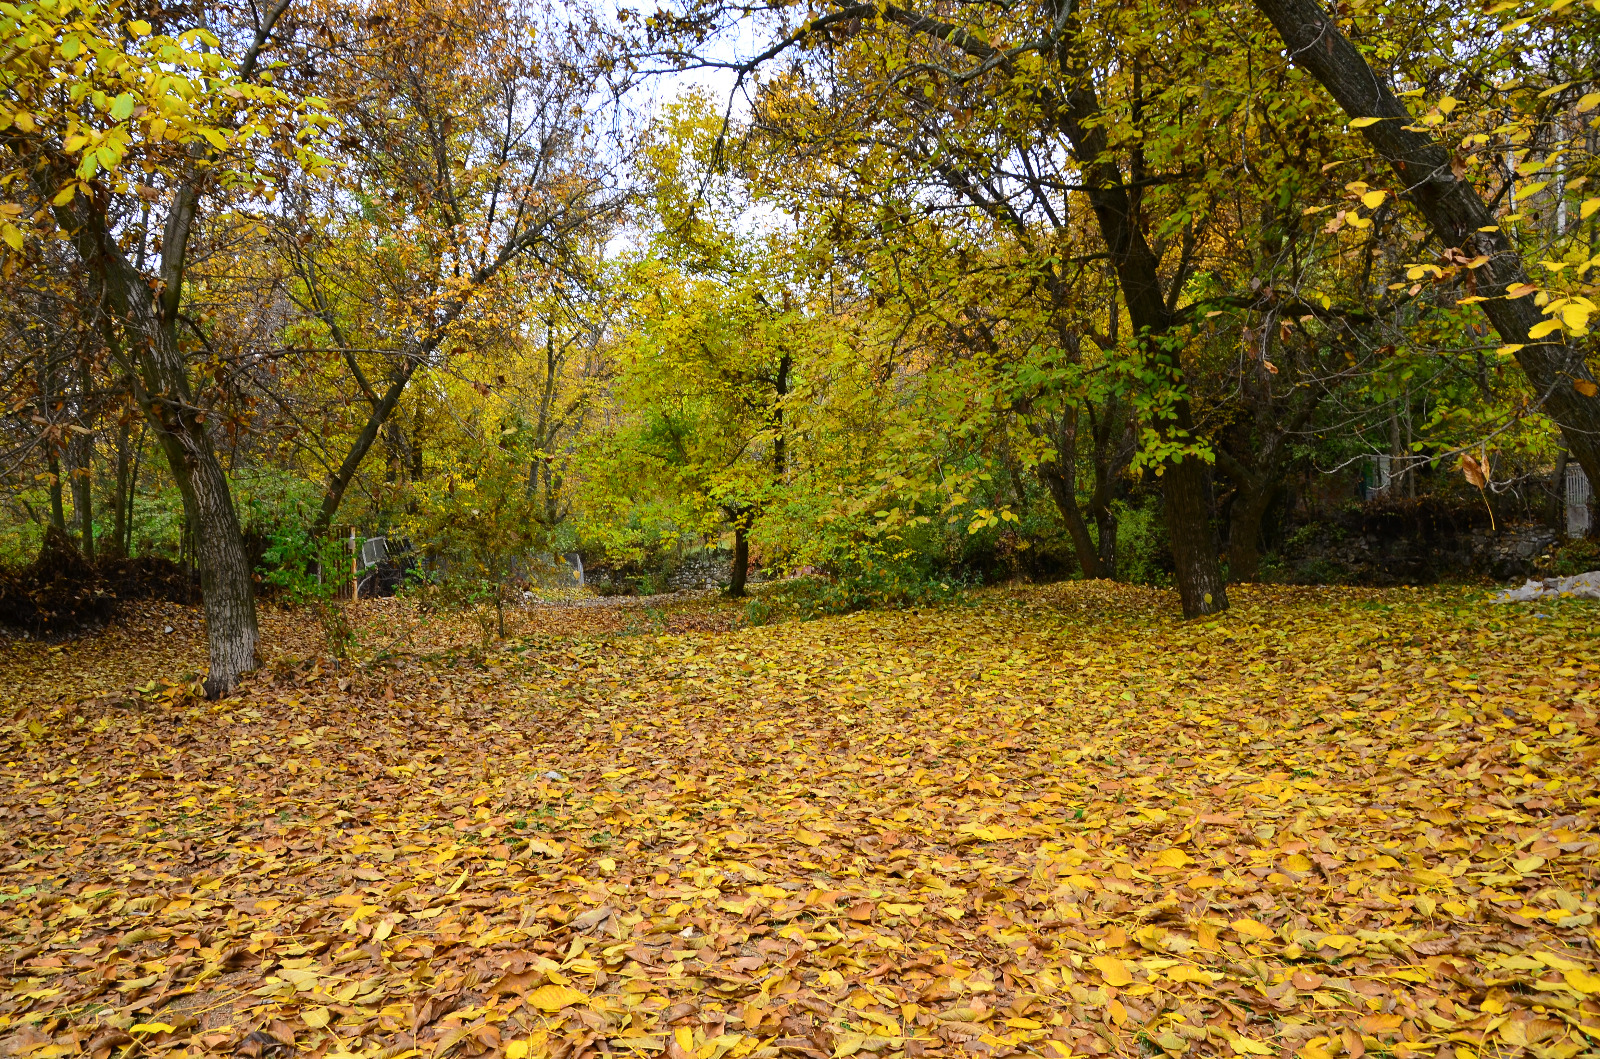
(1578, 586)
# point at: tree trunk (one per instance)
(133, 491)
(1556, 505)
(1106, 528)
(1064, 495)
(47, 397)
(1110, 461)
(1201, 588)
(1396, 454)
(161, 385)
(83, 465)
(58, 510)
(1060, 477)
(1244, 529)
(116, 548)
(83, 495)
(340, 480)
(1454, 211)
(741, 561)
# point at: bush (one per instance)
(1575, 557)
(863, 571)
(1144, 556)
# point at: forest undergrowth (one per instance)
(1051, 821)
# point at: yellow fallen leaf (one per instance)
(1246, 1046)
(1172, 858)
(1315, 1048)
(1251, 929)
(1186, 973)
(1298, 862)
(555, 997)
(300, 979)
(151, 1027)
(517, 1050)
(1528, 864)
(1583, 981)
(316, 1017)
(1113, 970)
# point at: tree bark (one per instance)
(117, 547)
(58, 509)
(1254, 497)
(1556, 507)
(161, 386)
(1455, 212)
(82, 452)
(133, 491)
(741, 561)
(1187, 491)
(1062, 491)
(83, 495)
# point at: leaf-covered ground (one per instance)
(1055, 821)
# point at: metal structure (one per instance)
(1578, 492)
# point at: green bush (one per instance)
(1144, 556)
(1575, 557)
(864, 571)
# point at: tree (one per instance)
(1436, 183)
(467, 154)
(115, 114)
(1046, 87)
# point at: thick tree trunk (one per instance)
(1455, 212)
(161, 385)
(741, 561)
(1244, 529)
(1187, 490)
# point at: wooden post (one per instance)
(355, 568)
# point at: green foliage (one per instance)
(481, 522)
(1575, 557)
(306, 571)
(864, 569)
(1143, 555)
